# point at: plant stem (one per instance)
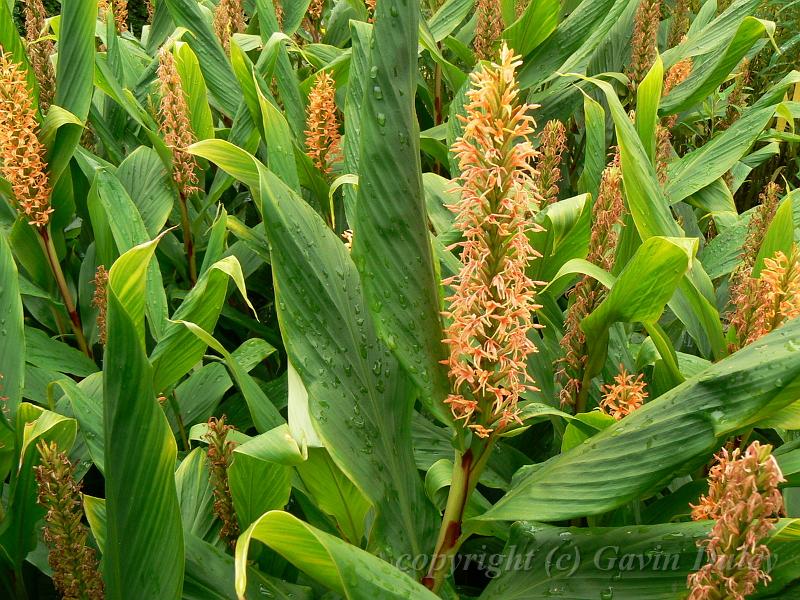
(467, 469)
(583, 393)
(46, 242)
(188, 242)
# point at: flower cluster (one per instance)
(220, 453)
(21, 153)
(75, 567)
(607, 214)
(228, 19)
(100, 300)
(488, 29)
(322, 125)
(120, 8)
(175, 125)
(644, 41)
(492, 305)
(744, 499)
(624, 396)
(747, 292)
(553, 144)
(39, 51)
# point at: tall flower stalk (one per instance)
(644, 43)
(744, 500)
(24, 165)
(491, 309)
(228, 19)
(587, 294)
(39, 50)
(488, 29)
(553, 145)
(178, 135)
(323, 140)
(220, 454)
(75, 567)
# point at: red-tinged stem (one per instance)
(46, 242)
(467, 469)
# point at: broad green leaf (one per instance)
(627, 563)
(118, 227)
(140, 451)
(652, 216)
(533, 27)
(391, 246)
(149, 186)
(48, 353)
(216, 68)
(360, 401)
(712, 160)
(779, 236)
(668, 436)
(334, 494)
(595, 154)
(713, 72)
(74, 76)
(342, 568)
(260, 476)
(86, 400)
(640, 292)
(178, 350)
(278, 138)
(18, 534)
(265, 415)
(12, 339)
(192, 79)
(648, 95)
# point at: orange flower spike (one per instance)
(175, 125)
(493, 301)
(315, 9)
(744, 500)
(22, 155)
(644, 41)
(554, 142)
(100, 300)
(39, 51)
(624, 396)
(322, 124)
(228, 19)
(488, 28)
(780, 291)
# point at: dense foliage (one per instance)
(385, 299)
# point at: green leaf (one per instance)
(533, 27)
(178, 350)
(149, 186)
(48, 353)
(360, 401)
(626, 563)
(260, 476)
(74, 76)
(265, 415)
(648, 95)
(342, 568)
(779, 236)
(668, 436)
(33, 424)
(12, 339)
(640, 292)
(216, 68)
(192, 79)
(714, 71)
(140, 451)
(391, 245)
(652, 216)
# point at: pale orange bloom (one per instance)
(228, 19)
(624, 396)
(744, 499)
(39, 51)
(22, 155)
(322, 125)
(175, 125)
(488, 29)
(493, 300)
(553, 144)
